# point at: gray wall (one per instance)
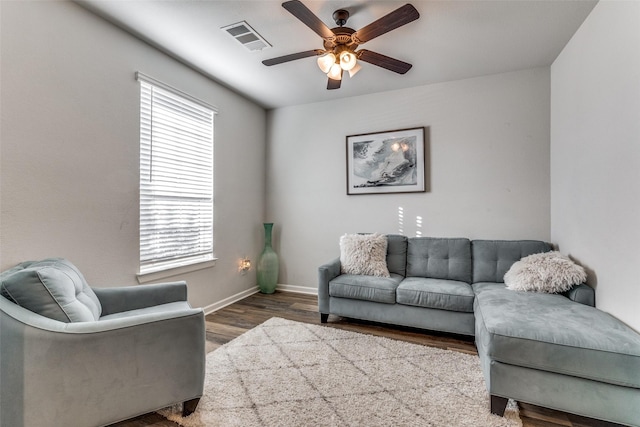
(487, 167)
(595, 154)
(70, 141)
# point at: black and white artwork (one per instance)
(386, 162)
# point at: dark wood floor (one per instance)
(233, 320)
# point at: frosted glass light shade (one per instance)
(325, 62)
(354, 70)
(335, 73)
(347, 60)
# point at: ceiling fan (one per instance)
(340, 43)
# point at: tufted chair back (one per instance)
(53, 288)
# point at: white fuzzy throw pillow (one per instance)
(364, 254)
(548, 272)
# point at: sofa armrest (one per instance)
(125, 298)
(583, 293)
(326, 273)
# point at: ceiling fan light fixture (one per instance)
(347, 60)
(340, 43)
(354, 70)
(335, 73)
(325, 62)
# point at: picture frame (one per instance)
(386, 162)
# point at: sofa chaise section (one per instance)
(550, 351)
(553, 350)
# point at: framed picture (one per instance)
(386, 162)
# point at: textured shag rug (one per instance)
(284, 373)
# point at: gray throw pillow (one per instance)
(8, 273)
(53, 288)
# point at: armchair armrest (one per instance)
(125, 298)
(583, 294)
(31, 320)
(326, 273)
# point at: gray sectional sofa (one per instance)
(552, 350)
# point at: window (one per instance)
(176, 178)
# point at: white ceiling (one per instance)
(452, 40)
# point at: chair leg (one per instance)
(498, 405)
(189, 407)
(324, 317)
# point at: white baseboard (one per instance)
(297, 289)
(242, 295)
(228, 301)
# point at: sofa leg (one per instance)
(324, 317)
(189, 407)
(498, 405)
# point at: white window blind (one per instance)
(176, 179)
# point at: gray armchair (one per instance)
(94, 356)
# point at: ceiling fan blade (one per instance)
(399, 17)
(293, 57)
(333, 84)
(300, 11)
(383, 61)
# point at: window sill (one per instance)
(174, 271)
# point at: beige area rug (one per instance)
(284, 373)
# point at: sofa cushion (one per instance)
(368, 288)
(487, 286)
(397, 254)
(493, 258)
(364, 254)
(53, 288)
(552, 333)
(439, 258)
(436, 293)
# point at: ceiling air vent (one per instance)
(246, 35)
